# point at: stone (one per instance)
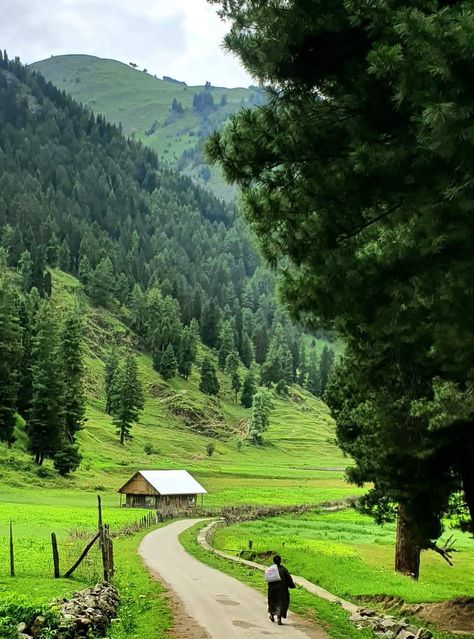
(405, 634)
(38, 626)
(356, 617)
(21, 627)
(424, 633)
(366, 612)
(387, 623)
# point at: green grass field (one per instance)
(349, 555)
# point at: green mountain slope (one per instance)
(142, 104)
(148, 255)
(298, 463)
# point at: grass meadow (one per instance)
(349, 555)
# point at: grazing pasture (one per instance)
(349, 555)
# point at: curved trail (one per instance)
(224, 607)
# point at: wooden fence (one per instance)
(101, 543)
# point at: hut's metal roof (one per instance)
(172, 482)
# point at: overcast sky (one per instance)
(179, 38)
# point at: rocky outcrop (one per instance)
(387, 626)
(89, 611)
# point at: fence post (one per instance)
(110, 552)
(54, 544)
(102, 544)
(12, 555)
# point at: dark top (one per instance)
(278, 593)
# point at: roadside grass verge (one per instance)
(144, 611)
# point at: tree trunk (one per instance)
(122, 436)
(407, 551)
(467, 476)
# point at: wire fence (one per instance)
(26, 555)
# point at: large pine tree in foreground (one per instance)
(358, 173)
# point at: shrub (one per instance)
(149, 449)
(210, 448)
(67, 460)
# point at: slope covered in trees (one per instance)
(171, 260)
(170, 117)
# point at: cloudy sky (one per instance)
(180, 38)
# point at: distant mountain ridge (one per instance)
(167, 115)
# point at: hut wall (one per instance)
(139, 486)
(162, 503)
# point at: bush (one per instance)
(67, 460)
(149, 449)
(44, 473)
(15, 609)
(210, 448)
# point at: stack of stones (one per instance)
(388, 626)
(89, 611)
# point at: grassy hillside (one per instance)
(300, 457)
(142, 104)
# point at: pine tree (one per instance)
(236, 383)
(85, 271)
(313, 381)
(227, 343)
(26, 271)
(303, 370)
(101, 283)
(248, 390)
(210, 324)
(52, 251)
(325, 366)
(168, 364)
(187, 352)
(110, 374)
(127, 399)
(278, 364)
(232, 362)
(67, 459)
(208, 383)
(45, 420)
(261, 407)
(10, 358)
(72, 365)
(27, 309)
(64, 256)
(247, 352)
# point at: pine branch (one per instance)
(446, 551)
(362, 227)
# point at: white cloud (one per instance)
(180, 38)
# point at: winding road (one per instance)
(223, 607)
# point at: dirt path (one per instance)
(215, 605)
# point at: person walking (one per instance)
(279, 582)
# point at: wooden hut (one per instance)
(163, 490)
